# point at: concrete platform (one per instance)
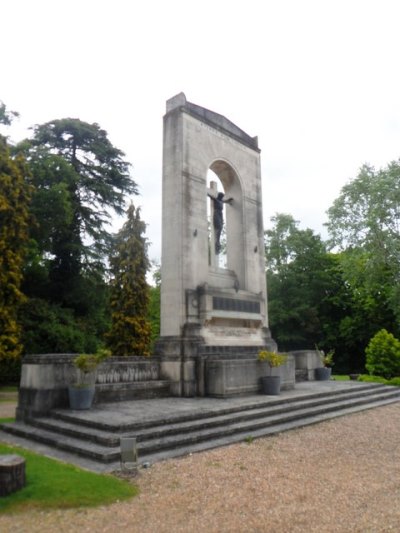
(255, 415)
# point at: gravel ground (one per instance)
(338, 476)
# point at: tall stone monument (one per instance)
(213, 319)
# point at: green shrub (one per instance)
(50, 328)
(383, 355)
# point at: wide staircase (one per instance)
(98, 439)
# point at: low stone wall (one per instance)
(45, 379)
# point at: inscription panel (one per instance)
(230, 304)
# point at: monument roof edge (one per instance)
(213, 119)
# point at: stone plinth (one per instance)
(12, 474)
(306, 362)
(241, 375)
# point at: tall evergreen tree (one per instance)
(80, 179)
(14, 222)
(76, 168)
(130, 332)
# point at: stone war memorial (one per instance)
(202, 388)
(214, 316)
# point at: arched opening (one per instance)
(222, 178)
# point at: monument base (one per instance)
(197, 368)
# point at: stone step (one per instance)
(107, 438)
(279, 402)
(206, 433)
(160, 455)
(60, 441)
(246, 427)
(104, 438)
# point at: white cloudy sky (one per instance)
(317, 80)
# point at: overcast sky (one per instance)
(317, 80)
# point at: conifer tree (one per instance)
(130, 332)
(14, 221)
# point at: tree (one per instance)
(299, 279)
(14, 223)
(154, 313)
(6, 116)
(364, 221)
(79, 179)
(130, 328)
(75, 164)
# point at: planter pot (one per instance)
(80, 397)
(323, 374)
(271, 385)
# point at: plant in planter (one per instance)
(81, 393)
(324, 373)
(271, 384)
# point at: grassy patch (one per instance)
(6, 420)
(378, 379)
(341, 377)
(52, 484)
(8, 388)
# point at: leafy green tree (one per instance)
(14, 223)
(130, 332)
(294, 295)
(364, 221)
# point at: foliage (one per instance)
(130, 328)
(6, 116)
(307, 296)
(87, 364)
(383, 355)
(14, 223)
(50, 328)
(70, 486)
(365, 222)
(10, 369)
(154, 312)
(80, 177)
(273, 359)
(326, 359)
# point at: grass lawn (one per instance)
(8, 388)
(338, 377)
(52, 484)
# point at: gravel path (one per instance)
(338, 476)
